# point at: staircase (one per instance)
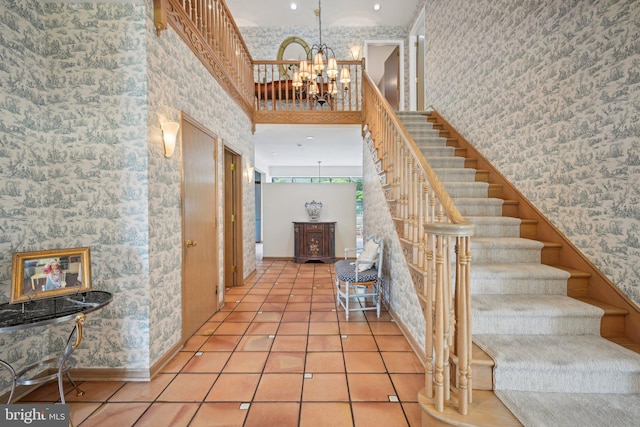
(540, 350)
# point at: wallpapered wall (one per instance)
(549, 91)
(84, 89)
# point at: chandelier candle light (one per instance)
(319, 76)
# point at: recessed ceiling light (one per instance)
(293, 6)
(376, 7)
(310, 137)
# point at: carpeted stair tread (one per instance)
(455, 174)
(505, 249)
(533, 315)
(561, 363)
(573, 410)
(473, 206)
(518, 278)
(467, 189)
(446, 162)
(495, 226)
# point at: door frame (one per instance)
(401, 77)
(232, 193)
(417, 30)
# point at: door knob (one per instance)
(191, 243)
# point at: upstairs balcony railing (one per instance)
(263, 89)
(207, 27)
(277, 101)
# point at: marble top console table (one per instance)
(31, 314)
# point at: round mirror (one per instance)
(292, 49)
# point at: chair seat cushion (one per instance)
(346, 271)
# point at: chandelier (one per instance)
(318, 77)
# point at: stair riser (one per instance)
(487, 230)
(453, 175)
(446, 162)
(566, 380)
(486, 323)
(470, 190)
(437, 152)
(492, 286)
(507, 255)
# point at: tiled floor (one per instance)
(277, 354)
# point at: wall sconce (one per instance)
(249, 173)
(170, 136)
(355, 53)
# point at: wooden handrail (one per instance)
(208, 28)
(436, 243)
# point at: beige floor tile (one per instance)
(296, 316)
(324, 316)
(354, 328)
(293, 328)
(385, 328)
(323, 414)
(323, 328)
(359, 343)
(325, 362)
(221, 343)
(392, 343)
(143, 391)
(219, 415)
(325, 388)
(402, 362)
(177, 363)
(279, 388)
(255, 343)
(364, 362)
(370, 387)
(413, 413)
(168, 414)
(79, 411)
(262, 328)
(408, 386)
(241, 316)
(285, 361)
(280, 414)
(232, 328)
(366, 414)
(208, 328)
(116, 414)
(324, 343)
(188, 388)
(234, 388)
(207, 361)
(194, 343)
(94, 391)
(268, 316)
(289, 343)
(246, 361)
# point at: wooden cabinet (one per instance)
(314, 241)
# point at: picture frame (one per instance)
(50, 273)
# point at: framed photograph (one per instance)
(47, 274)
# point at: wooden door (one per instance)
(200, 231)
(392, 79)
(232, 218)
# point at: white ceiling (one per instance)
(345, 13)
(332, 145)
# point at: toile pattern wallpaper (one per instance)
(549, 91)
(84, 88)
